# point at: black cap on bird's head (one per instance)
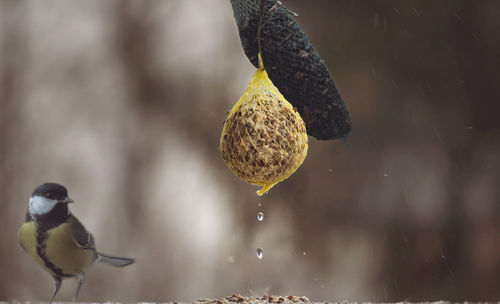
(52, 191)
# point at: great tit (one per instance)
(57, 240)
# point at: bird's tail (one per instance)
(114, 261)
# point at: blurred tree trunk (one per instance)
(13, 57)
(149, 106)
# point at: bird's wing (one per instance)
(82, 237)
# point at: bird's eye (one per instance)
(47, 194)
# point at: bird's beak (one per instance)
(67, 200)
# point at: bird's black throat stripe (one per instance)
(41, 237)
(44, 223)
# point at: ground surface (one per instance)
(239, 299)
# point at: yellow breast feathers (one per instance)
(57, 250)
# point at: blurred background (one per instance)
(123, 103)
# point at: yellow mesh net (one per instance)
(264, 139)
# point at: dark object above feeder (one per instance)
(294, 66)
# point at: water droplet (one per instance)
(260, 253)
(303, 253)
(330, 170)
(260, 216)
(386, 175)
(260, 204)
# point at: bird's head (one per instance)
(46, 196)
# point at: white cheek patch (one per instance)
(40, 205)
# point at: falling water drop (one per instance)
(260, 253)
(260, 216)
